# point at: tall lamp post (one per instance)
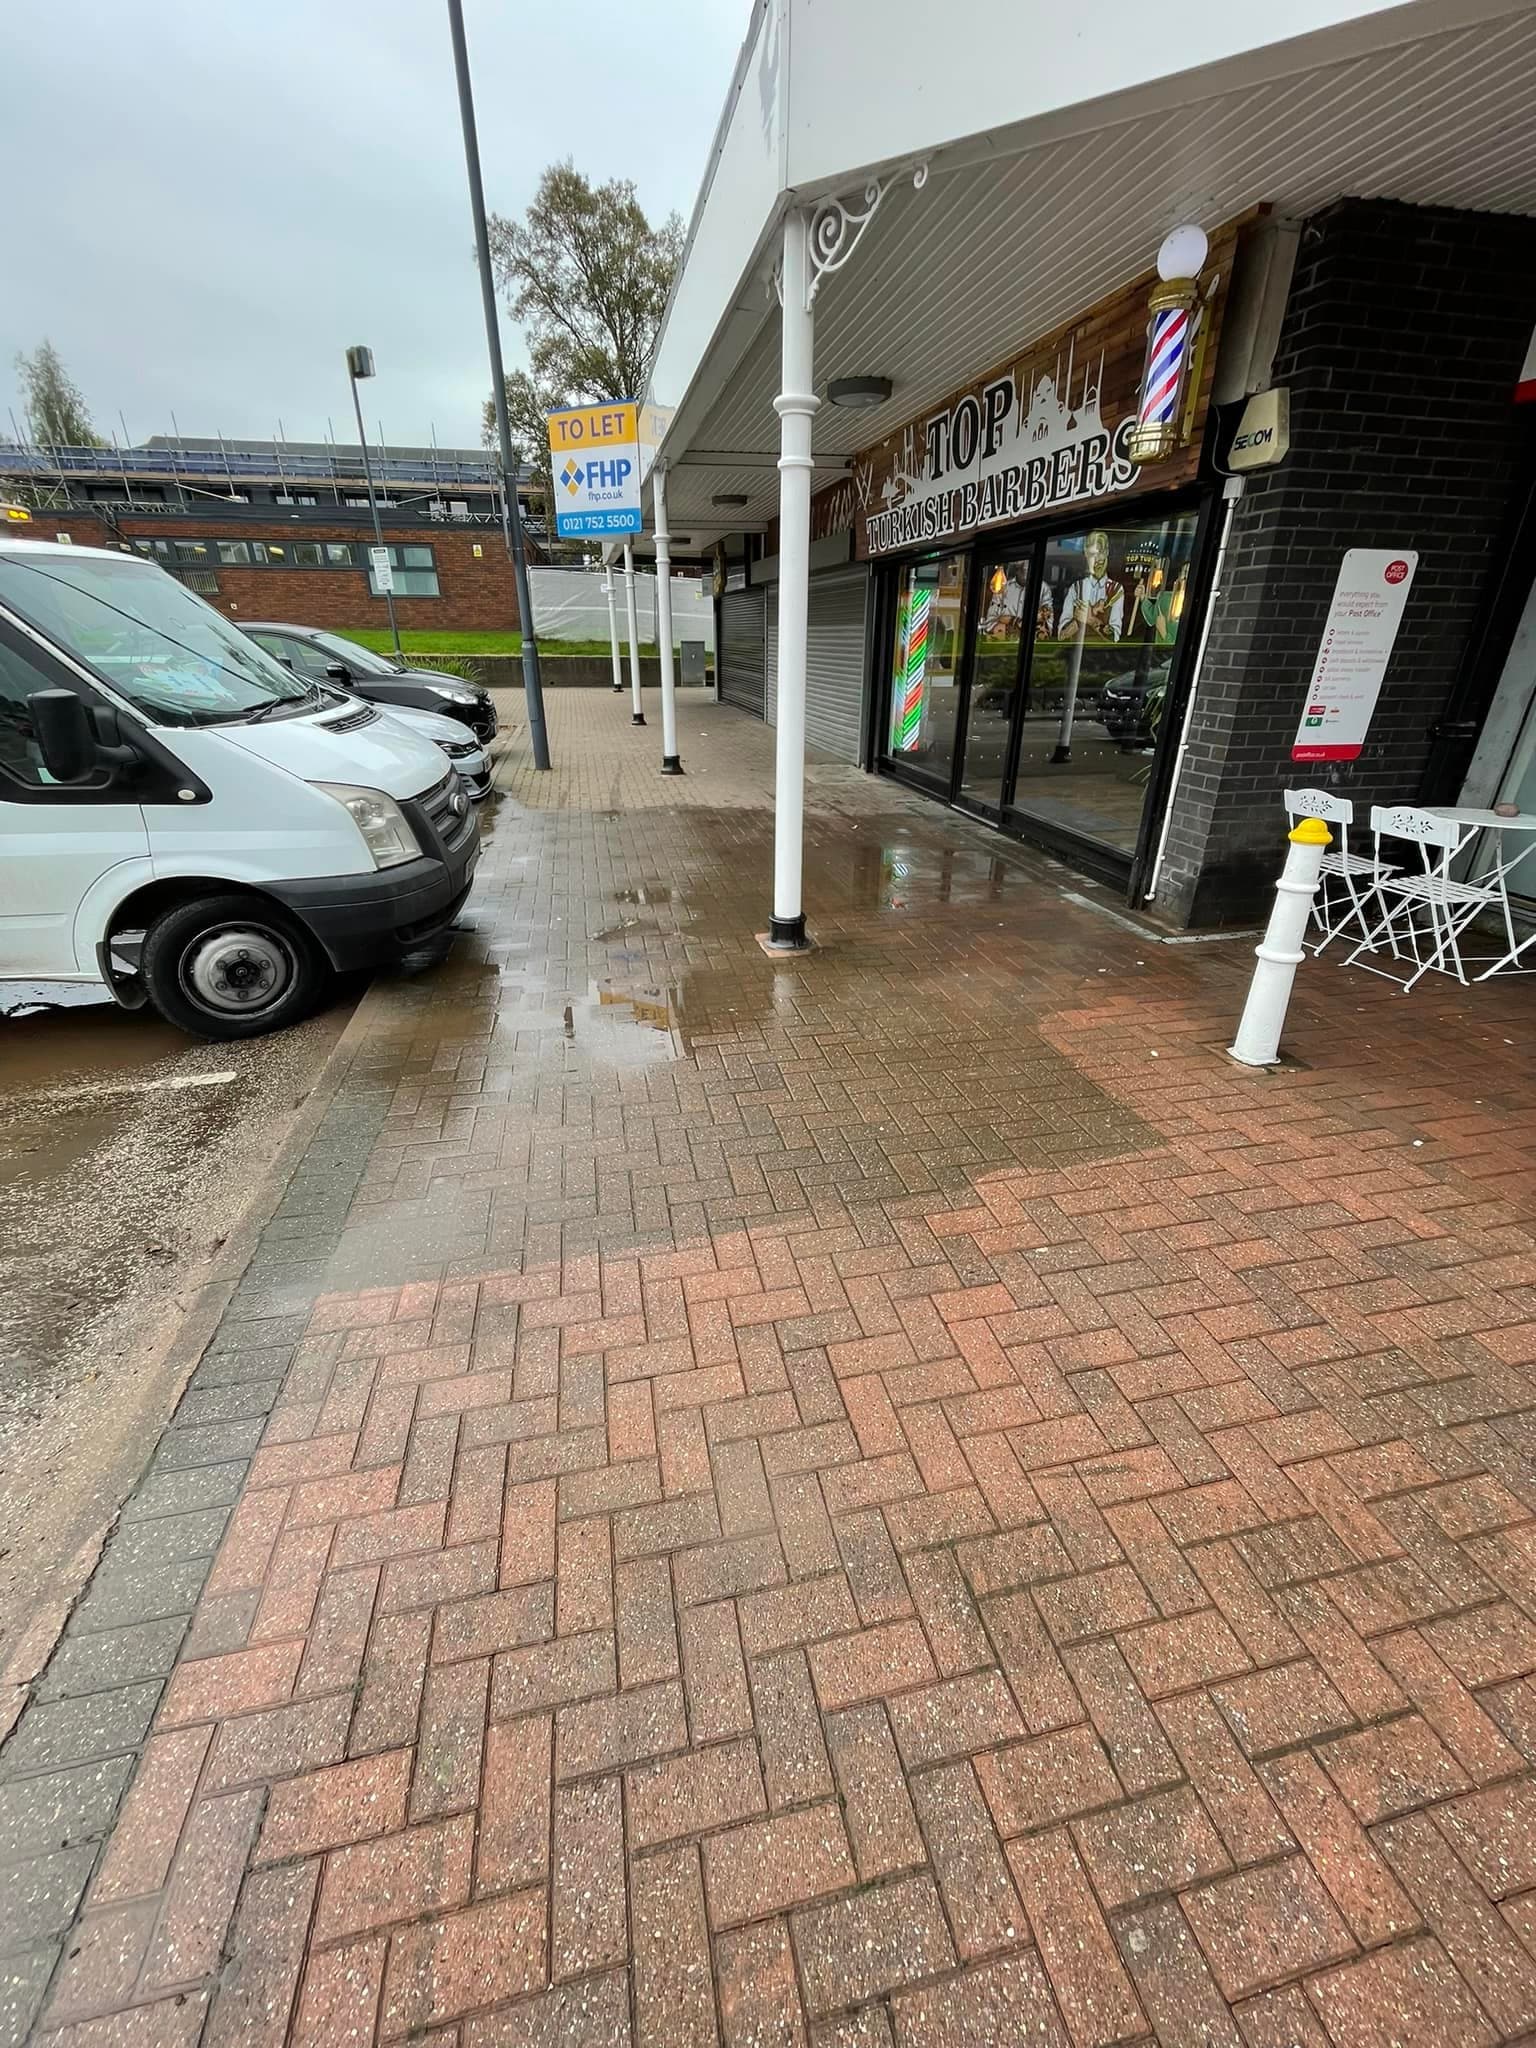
(533, 689)
(360, 364)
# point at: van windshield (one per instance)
(151, 640)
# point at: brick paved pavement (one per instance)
(893, 1498)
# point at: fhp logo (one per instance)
(597, 475)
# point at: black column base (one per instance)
(637, 718)
(1059, 754)
(618, 689)
(787, 934)
(671, 764)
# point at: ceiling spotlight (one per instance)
(859, 393)
(729, 498)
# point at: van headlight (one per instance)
(380, 820)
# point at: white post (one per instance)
(670, 763)
(1280, 950)
(613, 631)
(796, 406)
(637, 717)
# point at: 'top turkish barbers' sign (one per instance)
(1051, 428)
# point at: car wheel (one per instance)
(231, 967)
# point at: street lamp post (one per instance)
(533, 689)
(360, 364)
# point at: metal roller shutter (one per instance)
(743, 615)
(834, 665)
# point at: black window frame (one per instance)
(1130, 871)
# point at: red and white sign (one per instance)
(1525, 383)
(1363, 619)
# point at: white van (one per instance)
(184, 819)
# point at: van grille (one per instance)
(437, 805)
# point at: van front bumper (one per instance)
(361, 920)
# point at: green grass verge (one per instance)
(474, 643)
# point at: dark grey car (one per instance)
(321, 656)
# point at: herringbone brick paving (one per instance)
(890, 1498)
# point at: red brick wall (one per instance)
(477, 591)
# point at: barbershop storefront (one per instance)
(1039, 590)
(1112, 657)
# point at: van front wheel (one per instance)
(231, 967)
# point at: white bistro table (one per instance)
(1513, 840)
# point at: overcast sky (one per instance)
(221, 195)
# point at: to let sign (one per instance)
(594, 457)
(1363, 619)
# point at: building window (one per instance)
(193, 551)
(234, 554)
(339, 555)
(415, 572)
(204, 581)
(306, 554)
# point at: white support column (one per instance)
(613, 631)
(670, 763)
(637, 717)
(796, 406)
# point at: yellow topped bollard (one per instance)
(1280, 952)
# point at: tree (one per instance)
(587, 277)
(56, 411)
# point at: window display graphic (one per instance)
(909, 717)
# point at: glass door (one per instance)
(1002, 608)
(923, 722)
(1110, 604)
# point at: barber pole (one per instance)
(1156, 432)
(1170, 330)
(915, 670)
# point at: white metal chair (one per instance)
(1349, 879)
(1427, 910)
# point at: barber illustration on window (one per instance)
(1094, 605)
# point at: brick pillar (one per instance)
(1402, 341)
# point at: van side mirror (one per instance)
(338, 672)
(64, 736)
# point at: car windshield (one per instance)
(361, 660)
(157, 645)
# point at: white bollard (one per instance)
(1280, 951)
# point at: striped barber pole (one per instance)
(914, 671)
(1165, 364)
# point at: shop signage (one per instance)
(1052, 428)
(1264, 432)
(594, 457)
(1363, 619)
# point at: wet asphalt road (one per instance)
(128, 1153)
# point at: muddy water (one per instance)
(127, 1154)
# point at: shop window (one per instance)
(1111, 606)
(925, 670)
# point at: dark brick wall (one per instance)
(1402, 341)
(475, 592)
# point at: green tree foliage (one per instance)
(587, 278)
(56, 411)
